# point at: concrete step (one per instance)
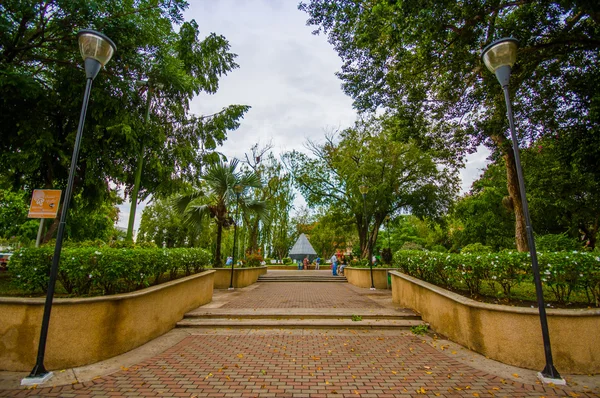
(341, 323)
(317, 318)
(308, 278)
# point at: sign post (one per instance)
(44, 204)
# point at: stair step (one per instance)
(302, 314)
(301, 279)
(344, 323)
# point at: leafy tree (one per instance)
(565, 194)
(485, 214)
(217, 197)
(161, 224)
(419, 62)
(41, 81)
(13, 212)
(399, 176)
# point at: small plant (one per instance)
(356, 318)
(419, 330)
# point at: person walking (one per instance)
(334, 264)
(317, 262)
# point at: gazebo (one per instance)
(301, 249)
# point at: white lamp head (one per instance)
(95, 46)
(499, 57)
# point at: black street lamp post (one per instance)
(363, 191)
(96, 50)
(238, 190)
(499, 57)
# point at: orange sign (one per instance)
(44, 203)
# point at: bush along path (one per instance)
(104, 270)
(564, 274)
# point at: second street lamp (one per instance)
(499, 57)
(238, 190)
(364, 189)
(96, 50)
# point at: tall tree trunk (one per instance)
(217, 263)
(512, 183)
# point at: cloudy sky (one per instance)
(286, 74)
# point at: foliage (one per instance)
(476, 248)
(287, 261)
(356, 318)
(556, 243)
(411, 246)
(386, 255)
(439, 249)
(217, 197)
(420, 63)
(419, 330)
(91, 270)
(13, 212)
(41, 80)
(562, 272)
(399, 176)
(253, 260)
(162, 225)
(564, 194)
(484, 215)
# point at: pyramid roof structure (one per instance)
(302, 248)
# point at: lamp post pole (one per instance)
(238, 190)
(364, 190)
(499, 57)
(96, 50)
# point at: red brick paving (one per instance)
(293, 365)
(306, 295)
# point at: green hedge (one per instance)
(93, 270)
(562, 272)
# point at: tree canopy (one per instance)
(41, 80)
(399, 176)
(420, 62)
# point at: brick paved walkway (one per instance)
(289, 364)
(305, 295)
(301, 362)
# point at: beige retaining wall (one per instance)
(242, 277)
(361, 277)
(88, 330)
(511, 335)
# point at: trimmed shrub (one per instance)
(253, 260)
(556, 243)
(287, 261)
(411, 246)
(476, 248)
(562, 272)
(93, 270)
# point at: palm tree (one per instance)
(217, 198)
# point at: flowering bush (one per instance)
(103, 270)
(562, 272)
(253, 260)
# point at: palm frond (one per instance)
(179, 203)
(195, 214)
